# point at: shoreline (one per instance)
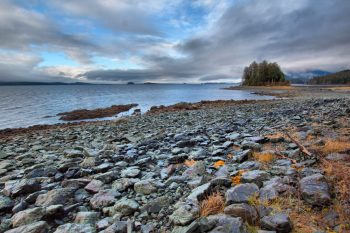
(162, 169)
(13, 132)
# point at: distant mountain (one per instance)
(40, 83)
(304, 77)
(338, 78)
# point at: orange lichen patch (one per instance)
(333, 146)
(190, 163)
(298, 168)
(237, 179)
(212, 204)
(264, 157)
(219, 164)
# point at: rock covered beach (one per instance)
(223, 169)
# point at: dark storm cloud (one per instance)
(136, 75)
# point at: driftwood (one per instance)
(301, 147)
(285, 157)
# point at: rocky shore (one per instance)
(230, 169)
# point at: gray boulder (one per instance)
(226, 224)
(18, 187)
(145, 187)
(75, 228)
(185, 213)
(241, 193)
(257, 177)
(37, 227)
(314, 190)
(243, 210)
(278, 222)
(126, 206)
(104, 198)
(6, 203)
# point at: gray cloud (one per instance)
(298, 34)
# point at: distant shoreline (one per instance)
(82, 83)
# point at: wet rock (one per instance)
(31, 198)
(28, 216)
(124, 183)
(126, 206)
(233, 136)
(155, 206)
(71, 153)
(104, 223)
(104, 198)
(185, 213)
(130, 172)
(251, 145)
(75, 183)
(177, 159)
(94, 186)
(42, 172)
(55, 197)
(107, 177)
(242, 156)
(243, 210)
(314, 190)
(6, 204)
(117, 227)
(22, 205)
(75, 228)
(199, 192)
(249, 165)
(257, 177)
(224, 223)
(37, 227)
(241, 193)
(145, 187)
(87, 218)
(278, 222)
(15, 188)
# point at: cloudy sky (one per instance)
(168, 40)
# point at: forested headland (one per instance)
(339, 78)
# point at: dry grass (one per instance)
(212, 204)
(339, 176)
(264, 157)
(340, 88)
(190, 163)
(333, 146)
(219, 164)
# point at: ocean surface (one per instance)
(23, 106)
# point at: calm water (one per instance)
(22, 106)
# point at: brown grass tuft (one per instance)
(264, 157)
(339, 175)
(213, 204)
(333, 146)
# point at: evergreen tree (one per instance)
(264, 73)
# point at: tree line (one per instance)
(342, 77)
(263, 74)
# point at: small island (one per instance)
(264, 74)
